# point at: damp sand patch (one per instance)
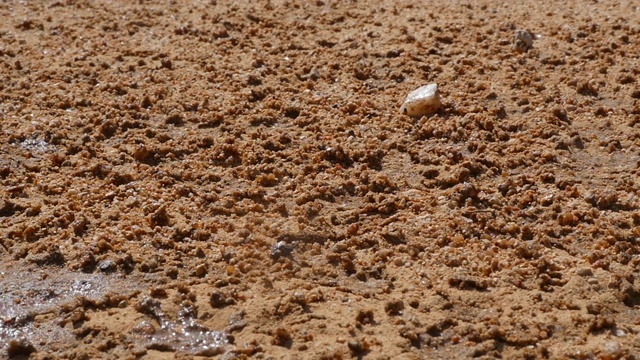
(43, 310)
(181, 335)
(35, 304)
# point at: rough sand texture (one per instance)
(235, 179)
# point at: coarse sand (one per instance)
(235, 179)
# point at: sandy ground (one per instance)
(234, 179)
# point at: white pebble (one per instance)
(612, 348)
(422, 101)
(522, 41)
(620, 333)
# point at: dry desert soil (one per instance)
(235, 179)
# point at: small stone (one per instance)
(201, 270)
(422, 101)
(219, 299)
(281, 249)
(522, 41)
(620, 333)
(107, 266)
(584, 272)
(612, 349)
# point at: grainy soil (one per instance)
(234, 179)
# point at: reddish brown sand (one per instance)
(235, 179)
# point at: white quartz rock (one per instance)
(422, 101)
(522, 41)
